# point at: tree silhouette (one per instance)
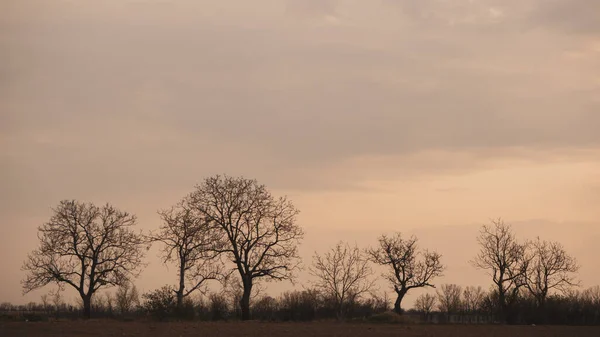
(449, 298)
(505, 260)
(550, 267)
(473, 299)
(86, 247)
(425, 303)
(126, 297)
(408, 268)
(189, 242)
(342, 274)
(257, 231)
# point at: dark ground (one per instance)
(118, 328)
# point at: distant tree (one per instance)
(265, 308)
(550, 268)
(110, 300)
(425, 303)
(473, 299)
(257, 231)
(86, 247)
(449, 298)
(160, 303)
(218, 306)
(57, 299)
(299, 305)
(189, 242)
(343, 273)
(127, 297)
(98, 304)
(407, 267)
(45, 303)
(592, 294)
(504, 258)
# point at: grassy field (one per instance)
(183, 329)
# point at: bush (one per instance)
(160, 303)
(391, 317)
(218, 307)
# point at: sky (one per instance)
(426, 117)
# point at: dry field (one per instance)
(176, 329)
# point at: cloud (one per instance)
(294, 98)
(570, 16)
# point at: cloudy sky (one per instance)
(427, 117)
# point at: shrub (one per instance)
(160, 303)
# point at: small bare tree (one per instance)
(343, 274)
(473, 299)
(550, 268)
(257, 231)
(505, 260)
(189, 242)
(449, 300)
(110, 300)
(127, 297)
(46, 303)
(57, 299)
(86, 247)
(408, 268)
(425, 304)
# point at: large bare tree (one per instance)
(343, 274)
(258, 232)
(188, 241)
(408, 268)
(86, 247)
(550, 267)
(504, 258)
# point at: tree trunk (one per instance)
(181, 284)
(501, 304)
(245, 300)
(341, 311)
(398, 303)
(87, 306)
(179, 295)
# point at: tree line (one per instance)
(231, 231)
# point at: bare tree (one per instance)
(550, 268)
(449, 300)
(505, 260)
(408, 268)
(258, 231)
(57, 299)
(473, 299)
(127, 297)
(343, 274)
(46, 303)
(425, 303)
(85, 247)
(110, 302)
(188, 241)
(592, 295)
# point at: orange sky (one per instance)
(427, 117)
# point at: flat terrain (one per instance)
(176, 329)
